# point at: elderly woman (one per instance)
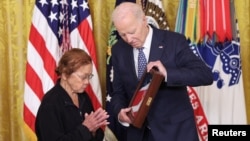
(66, 112)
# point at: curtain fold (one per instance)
(15, 23)
(242, 12)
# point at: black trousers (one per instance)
(147, 136)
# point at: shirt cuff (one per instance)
(123, 123)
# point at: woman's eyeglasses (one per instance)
(87, 76)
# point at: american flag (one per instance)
(138, 99)
(57, 26)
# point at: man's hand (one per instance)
(159, 66)
(123, 115)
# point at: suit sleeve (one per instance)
(186, 68)
(119, 99)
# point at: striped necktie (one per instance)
(142, 62)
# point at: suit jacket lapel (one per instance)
(157, 46)
(131, 61)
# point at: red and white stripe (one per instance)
(43, 53)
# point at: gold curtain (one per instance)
(14, 32)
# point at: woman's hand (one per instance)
(96, 119)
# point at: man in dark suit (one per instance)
(171, 116)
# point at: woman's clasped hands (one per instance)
(96, 119)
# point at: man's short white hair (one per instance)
(122, 10)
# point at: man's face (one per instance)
(132, 30)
